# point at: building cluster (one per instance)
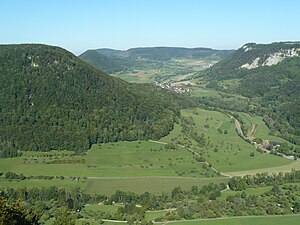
(172, 87)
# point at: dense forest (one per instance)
(50, 99)
(101, 61)
(275, 88)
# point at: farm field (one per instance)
(134, 159)
(255, 220)
(155, 185)
(122, 159)
(168, 71)
(30, 183)
(202, 91)
(276, 169)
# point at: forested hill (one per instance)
(101, 61)
(50, 99)
(138, 56)
(252, 57)
(270, 73)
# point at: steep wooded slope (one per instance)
(50, 99)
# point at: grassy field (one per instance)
(259, 220)
(149, 166)
(262, 131)
(248, 191)
(139, 185)
(168, 71)
(123, 159)
(228, 152)
(66, 183)
(152, 215)
(173, 134)
(202, 91)
(94, 211)
(276, 169)
(138, 76)
(127, 166)
(134, 159)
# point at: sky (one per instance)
(78, 25)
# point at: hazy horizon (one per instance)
(118, 24)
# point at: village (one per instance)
(172, 87)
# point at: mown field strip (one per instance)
(155, 185)
(242, 220)
(286, 168)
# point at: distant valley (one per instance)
(160, 64)
(164, 135)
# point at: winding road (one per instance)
(242, 135)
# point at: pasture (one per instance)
(155, 185)
(155, 167)
(261, 131)
(122, 159)
(254, 220)
(224, 149)
(135, 159)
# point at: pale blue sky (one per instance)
(78, 25)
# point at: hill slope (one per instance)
(254, 56)
(135, 57)
(99, 60)
(50, 99)
(269, 73)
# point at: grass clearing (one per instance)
(262, 131)
(248, 191)
(155, 185)
(152, 215)
(285, 168)
(228, 152)
(202, 91)
(255, 220)
(135, 159)
(93, 210)
(30, 183)
(122, 159)
(173, 134)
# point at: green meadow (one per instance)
(151, 166)
(122, 159)
(255, 220)
(155, 185)
(226, 151)
(261, 131)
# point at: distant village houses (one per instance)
(172, 87)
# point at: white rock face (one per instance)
(253, 65)
(246, 48)
(272, 59)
